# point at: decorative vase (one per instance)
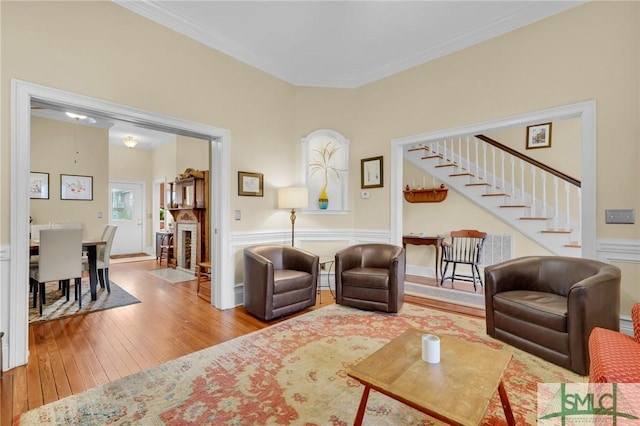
(323, 198)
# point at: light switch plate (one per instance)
(238, 215)
(620, 216)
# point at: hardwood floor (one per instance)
(71, 355)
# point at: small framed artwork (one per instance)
(39, 186)
(74, 187)
(250, 184)
(539, 136)
(371, 172)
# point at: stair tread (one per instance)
(446, 165)
(556, 231)
(504, 206)
(535, 218)
(430, 156)
(495, 194)
(478, 184)
(461, 174)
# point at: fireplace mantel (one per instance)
(188, 203)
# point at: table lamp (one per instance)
(293, 198)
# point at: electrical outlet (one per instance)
(622, 216)
(365, 194)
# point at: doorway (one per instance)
(126, 204)
(586, 111)
(23, 94)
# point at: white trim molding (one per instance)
(14, 309)
(586, 111)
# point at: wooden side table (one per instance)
(417, 240)
(203, 270)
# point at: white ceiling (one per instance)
(342, 43)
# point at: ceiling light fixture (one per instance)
(130, 142)
(75, 116)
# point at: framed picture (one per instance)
(250, 184)
(39, 186)
(371, 172)
(539, 136)
(74, 187)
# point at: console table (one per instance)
(417, 240)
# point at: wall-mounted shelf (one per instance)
(428, 195)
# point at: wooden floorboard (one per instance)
(71, 355)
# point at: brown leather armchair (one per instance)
(371, 277)
(548, 305)
(279, 280)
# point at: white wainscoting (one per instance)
(5, 258)
(620, 251)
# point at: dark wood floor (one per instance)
(71, 355)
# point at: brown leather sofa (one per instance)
(371, 277)
(279, 280)
(548, 305)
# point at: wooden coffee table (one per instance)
(457, 390)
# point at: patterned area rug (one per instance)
(292, 373)
(174, 276)
(57, 306)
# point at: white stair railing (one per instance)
(529, 190)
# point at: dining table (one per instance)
(91, 247)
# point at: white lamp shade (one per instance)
(293, 197)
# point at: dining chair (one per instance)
(464, 248)
(104, 255)
(59, 260)
(68, 225)
(35, 235)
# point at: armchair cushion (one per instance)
(544, 309)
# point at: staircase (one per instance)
(540, 202)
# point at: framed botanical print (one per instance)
(39, 186)
(75, 187)
(250, 184)
(371, 173)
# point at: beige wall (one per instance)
(52, 151)
(498, 78)
(589, 52)
(88, 47)
(191, 153)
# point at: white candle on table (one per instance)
(430, 348)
